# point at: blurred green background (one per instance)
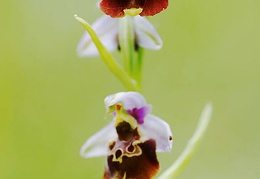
(51, 101)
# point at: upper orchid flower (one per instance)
(131, 140)
(117, 8)
(107, 30)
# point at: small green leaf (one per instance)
(185, 157)
(108, 58)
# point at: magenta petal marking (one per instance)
(139, 113)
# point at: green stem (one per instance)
(132, 54)
(139, 66)
(127, 42)
(108, 58)
(185, 157)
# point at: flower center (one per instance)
(133, 11)
(125, 131)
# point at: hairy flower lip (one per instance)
(141, 163)
(115, 8)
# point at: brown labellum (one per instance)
(143, 166)
(130, 158)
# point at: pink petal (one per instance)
(130, 100)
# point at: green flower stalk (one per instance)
(108, 58)
(127, 43)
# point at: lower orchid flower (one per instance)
(131, 140)
(107, 29)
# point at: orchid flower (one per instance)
(107, 29)
(117, 8)
(131, 140)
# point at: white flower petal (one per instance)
(106, 29)
(97, 145)
(157, 129)
(130, 100)
(146, 34)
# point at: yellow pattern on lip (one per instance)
(122, 116)
(133, 11)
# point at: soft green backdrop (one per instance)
(51, 101)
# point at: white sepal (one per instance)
(146, 35)
(157, 129)
(106, 29)
(97, 145)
